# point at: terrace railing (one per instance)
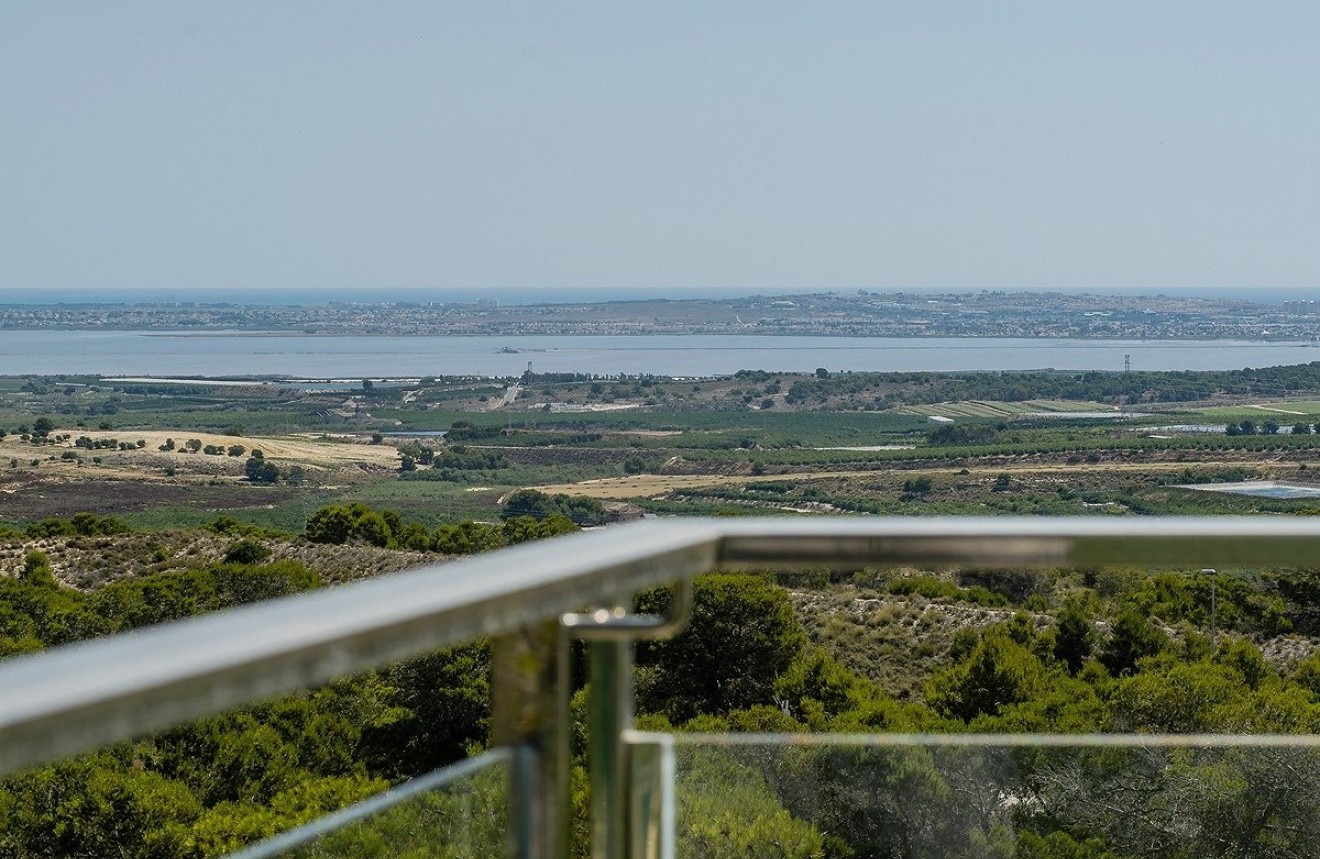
(531, 600)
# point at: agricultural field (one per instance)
(992, 409)
(1284, 411)
(268, 452)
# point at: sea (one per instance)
(279, 355)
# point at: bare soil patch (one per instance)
(308, 452)
(37, 481)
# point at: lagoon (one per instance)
(1260, 488)
(318, 356)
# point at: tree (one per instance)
(1301, 428)
(467, 538)
(731, 812)
(538, 505)
(961, 434)
(1074, 637)
(998, 672)
(742, 637)
(338, 524)
(1133, 638)
(528, 502)
(524, 528)
(247, 551)
(258, 470)
(93, 807)
(919, 486)
(42, 427)
(238, 584)
(194, 444)
(333, 524)
(37, 570)
(441, 708)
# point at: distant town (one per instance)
(855, 314)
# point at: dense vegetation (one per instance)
(1111, 651)
(338, 524)
(205, 789)
(1134, 387)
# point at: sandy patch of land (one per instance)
(300, 450)
(643, 433)
(1265, 408)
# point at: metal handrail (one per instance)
(80, 696)
(73, 698)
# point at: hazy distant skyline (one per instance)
(747, 146)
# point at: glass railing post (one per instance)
(609, 716)
(651, 803)
(529, 713)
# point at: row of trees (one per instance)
(456, 459)
(1248, 427)
(356, 522)
(79, 525)
(540, 506)
(1173, 386)
(194, 445)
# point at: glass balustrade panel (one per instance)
(459, 812)
(1088, 797)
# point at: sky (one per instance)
(626, 147)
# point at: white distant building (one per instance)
(939, 419)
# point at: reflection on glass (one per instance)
(459, 812)
(929, 800)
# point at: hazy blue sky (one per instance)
(674, 144)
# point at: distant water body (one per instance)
(332, 357)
